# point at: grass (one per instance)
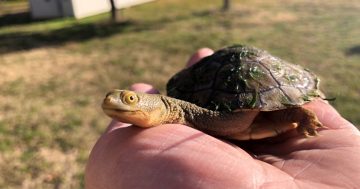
(56, 72)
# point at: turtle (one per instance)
(240, 92)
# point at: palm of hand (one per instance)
(174, 156)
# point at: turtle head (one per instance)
(140, 109)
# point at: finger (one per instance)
(336, 134)
(143, 87)
(196, 57)
(327, 115)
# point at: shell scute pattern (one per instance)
(241, 77)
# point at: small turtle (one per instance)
(239, 93)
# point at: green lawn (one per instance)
(54, 73)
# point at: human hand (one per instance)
(177, 156)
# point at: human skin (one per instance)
(177, 156)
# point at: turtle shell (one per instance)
(242, 77)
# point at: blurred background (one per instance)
(58, 58)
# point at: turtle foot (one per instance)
(309, 126)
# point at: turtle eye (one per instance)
(130, 98)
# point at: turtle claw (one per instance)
(308, 127)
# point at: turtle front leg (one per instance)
(306, 119)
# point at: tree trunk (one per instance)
(226, 5)
(113, 11)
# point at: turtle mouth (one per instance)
(116, 113)
(114, 109)
(127, 116)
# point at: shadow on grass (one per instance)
(355, 50)
(20, 18)
(15, 19)
(78, 32)
(18, 41)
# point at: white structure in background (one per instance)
(76, 8)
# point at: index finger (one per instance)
(200, 54)
(327, 115)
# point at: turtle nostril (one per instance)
(108, 94)
(110, 98)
